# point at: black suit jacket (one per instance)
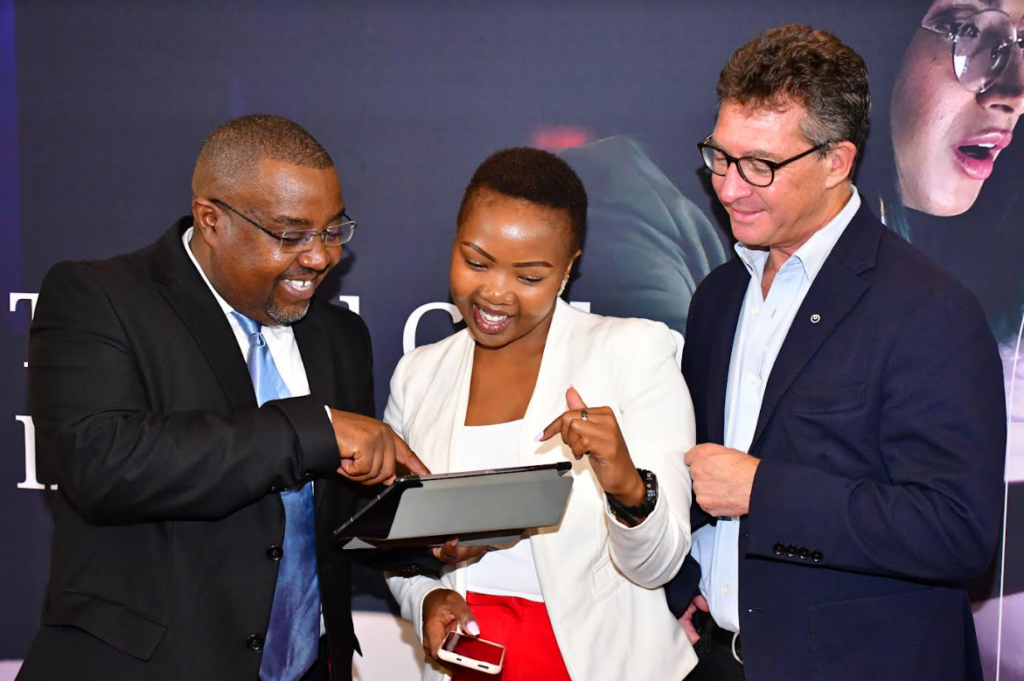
(167, 515)
(881, 437)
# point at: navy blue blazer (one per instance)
(881, 438)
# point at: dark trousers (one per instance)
(715, 658)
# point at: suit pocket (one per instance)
(828, 402)
(112, 623)
(606, 577)
(915, 634)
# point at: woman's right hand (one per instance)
(445, 610)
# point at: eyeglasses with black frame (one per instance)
(982, 43)
(300, 241)
(758, 172)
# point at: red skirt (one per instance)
(523, 627)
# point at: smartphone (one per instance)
(472, 652)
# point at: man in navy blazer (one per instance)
(848, 396)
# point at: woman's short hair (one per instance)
(536, 176)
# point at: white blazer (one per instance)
(600, 579)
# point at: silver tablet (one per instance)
(479, 507)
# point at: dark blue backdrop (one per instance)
(103, 106)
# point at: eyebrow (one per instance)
(969, 5)
(533, 263)
(292, 221)
(753, 153)
(763, 153)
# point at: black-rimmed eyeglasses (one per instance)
(982, 43)
(298, 241)
(759, 172)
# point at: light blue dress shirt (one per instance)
(760, 332)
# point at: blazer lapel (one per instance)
(835, 291)
(721, 352)
(190, 297)
(553, 379)
(311, 337)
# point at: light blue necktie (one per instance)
(293, 636)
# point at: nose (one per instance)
(496, 289)
(1007, 94)
(318, 257)
(731, 186)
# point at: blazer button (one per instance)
(791, 550)
(817, 556)
(254, 643)
(274, 490)
(779, 548)
(275, 552)
(804, 553)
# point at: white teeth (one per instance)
(492, 318)
(987, 145)
(300, 284)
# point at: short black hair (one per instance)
(538, 177)
(232, 152)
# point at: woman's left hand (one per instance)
(595, 432)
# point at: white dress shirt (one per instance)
(280, 339)
(762, 327)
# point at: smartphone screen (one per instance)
(474, 648)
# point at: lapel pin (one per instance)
(815, 318)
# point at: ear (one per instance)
(568, 271)
(572, 261)
(843, 156)
(205, 216)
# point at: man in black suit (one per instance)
(191, 397)
(848, 398)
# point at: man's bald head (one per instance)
(230, 157)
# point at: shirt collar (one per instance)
(186, 239)
(812, 255)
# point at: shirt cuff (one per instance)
(419, 625)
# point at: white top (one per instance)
(760, 332)
(509, 572)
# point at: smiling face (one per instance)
(246, 266)
(509, 260)
(805, 193)
(945, 138)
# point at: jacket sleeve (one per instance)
(941, 434)
(408, 590)
(116, 458)
(656, 418)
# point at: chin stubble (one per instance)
(285, 317)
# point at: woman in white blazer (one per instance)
(581, 600)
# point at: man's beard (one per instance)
(285, 317)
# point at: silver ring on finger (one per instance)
(583, 415)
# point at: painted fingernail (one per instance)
(539, 437)
(473, 628)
